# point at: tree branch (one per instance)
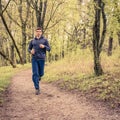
(15, 21)
(6, 58)
(5, 7)
(5, 24)
(52, 14)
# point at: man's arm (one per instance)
(30, 47)
(47, 46)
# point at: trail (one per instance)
(51, 104)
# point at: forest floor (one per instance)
(53, 103)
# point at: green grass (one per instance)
(76, 72)
(6, 73)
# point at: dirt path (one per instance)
(51, 104)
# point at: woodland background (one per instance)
(68, 25)
(84, 36)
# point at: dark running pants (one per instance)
(37, 71)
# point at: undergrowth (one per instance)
(76, 72)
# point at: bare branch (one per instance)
(32, 4)
(7, 58)
(5, 7)
(15, 21)
(52, 14)
(53, 24)
(68, 32)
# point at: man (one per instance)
(38, 47)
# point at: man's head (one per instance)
(38, 32)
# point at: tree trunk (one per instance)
(97, 39)
(110, 46)
(97, 65)
(12, 54)
(24, 21)
(40, 13)
(18, 52)
(84, 38)
(24, 43)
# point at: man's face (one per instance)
(38, 33)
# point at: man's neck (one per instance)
(38, 37)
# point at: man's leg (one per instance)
(35, 76)
(41, 68)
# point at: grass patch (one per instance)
(76, 72)
(6, 73)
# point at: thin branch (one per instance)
(7, 58)
(34, 4)
(52, 14)
(15, 21)
(68, 32)
(53, 24)
(6, 7)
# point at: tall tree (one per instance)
(110, 45)
(2, 10)
(24, 21)
(117, 15)
(98, 37)
(40, 7)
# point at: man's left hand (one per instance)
(42, 46)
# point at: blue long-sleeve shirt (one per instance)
(40, 53)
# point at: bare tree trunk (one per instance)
(97, 40)
(40, 13)
(110, 46)
(84, 37)
(18, 52)
(12, 55)
(24, 43)
(118, 18)
(5, 24)
(23, 27)
(7, 54)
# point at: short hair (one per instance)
(39, 28)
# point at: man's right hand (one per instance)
(32, 51)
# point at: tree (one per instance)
(24, 21)
(117, 15)
(98, 37)
(110, 45)
(40, 7)
(6, 26)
